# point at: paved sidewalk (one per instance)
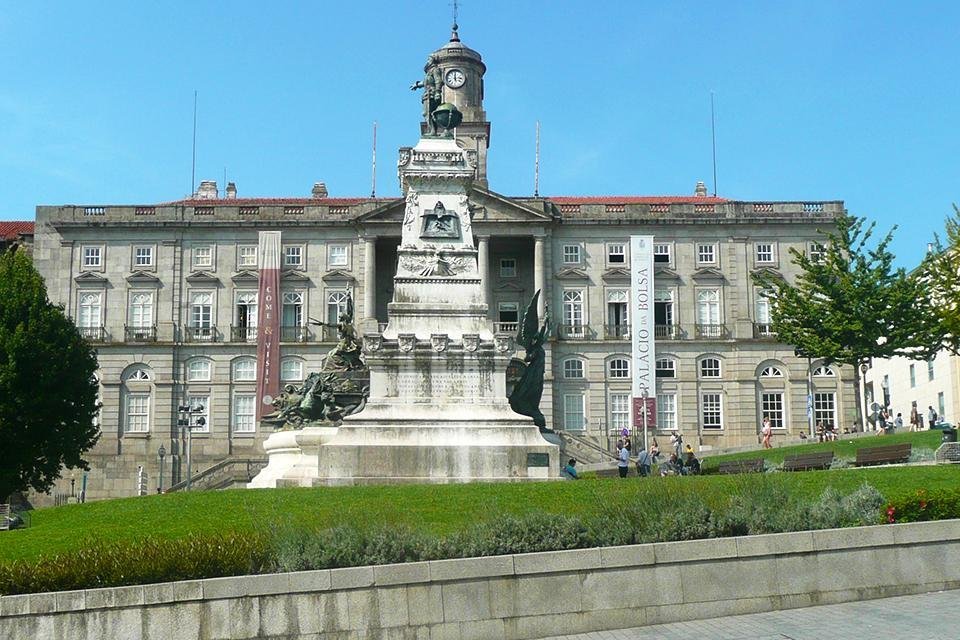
(929, 616)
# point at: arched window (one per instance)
(573, 369)
(244, 370)
(619, 368)
(199, 370)
(137, 396)
(710, 368)
(771, 372)
(137, 374)
(666, 368)
(291, 369)
(824, 371)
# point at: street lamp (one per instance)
(161, 452)
(190, 417)
(863, 378)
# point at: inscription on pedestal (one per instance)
(442, 384)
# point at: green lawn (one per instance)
(438, 509)
(846, 449)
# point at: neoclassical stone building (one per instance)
(168, 292)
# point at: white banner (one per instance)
(641, 316)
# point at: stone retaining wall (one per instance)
(518, 596)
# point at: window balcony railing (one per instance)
(243, 334)
(666, 331)
(616, 331)
(296, 333)
(763, 330)
(711, 331)
(200, 334)
(573, 331)
(328, 334)
(93, 334)
(140, 334)
(505, 327)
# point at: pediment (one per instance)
(665, 273)
(338, 275)
(508, 286)
(489, 206)
(768, 272)
(616, 274)
(143, 278)
(391, 211)
(292, 275)
(246, 277)
(572, 273)
(91, 279)
(203, 277)
(707, 274)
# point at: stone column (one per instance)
(539, 279)
(370, 279)
(483, 267)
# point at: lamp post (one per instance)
(161, 452)
(190, 417)
(863, 378)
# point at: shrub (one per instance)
(925, 505)
(306, 549)
(518, 534)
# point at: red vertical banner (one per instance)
(268, 321)
(651, 408)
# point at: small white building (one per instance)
(898, 382)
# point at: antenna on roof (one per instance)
(536, 166)
(713, 142)
(373, 188)
(193, 165)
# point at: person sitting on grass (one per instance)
(671, 467)
(570, 470)
(691, 465)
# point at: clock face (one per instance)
(455, 78)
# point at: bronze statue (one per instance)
(346, 355)
(526, 394)
(432, 85)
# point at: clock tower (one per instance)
(461, 72)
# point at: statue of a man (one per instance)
(432, 85)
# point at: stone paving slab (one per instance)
(928, 616)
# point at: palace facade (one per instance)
(168, 293)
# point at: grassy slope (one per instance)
(841, 448)
(438, 508)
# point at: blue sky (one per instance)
(814, 100)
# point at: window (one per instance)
(336, 305)
(573, 418)
(666, 411)
(573, 309)
(246, 315)
(137, 375)
(203, 257)
(247, 256)
(711, 411)
(244, 370)
(291, 369)
(573, 369)
(941, 407)
(817, 252)
(617, 313)
(913, 376)
(620, 411)
(662, 254)
(293, 257)
(199, 408)
(763, 309)
(619, 368)
(292, 310)
(141, 309)
(710, 368)
(666, 368)
(337, 255)
(199, 370)
(201, 309)
(92, 257)
(708, 307)
(143, 257)
(706, 254)
(90, 313)
(930, 369)
(663, 313)
(765, 254)
(823, 371)
(771, 405)
(824, 409)
(771, 372)
(571, 254)
(243, 413)
(617, 253)
(508, 267)
(508, 312)
(138, 412)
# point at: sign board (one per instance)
(641, 317)
(268, 323)
(638, 413)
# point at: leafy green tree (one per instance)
(849, 304)
(941, 272)
(48, 395)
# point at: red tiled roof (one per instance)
(10, 229)
(252, 202)
(637, 199)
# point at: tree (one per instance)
(849, 304)
(48, 393)
(941, 272)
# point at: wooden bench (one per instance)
(4, 516)
(887, 454)
(750, 465)
(807, 461)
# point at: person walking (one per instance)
(644, 463)
(676, 441)
(623, 459)
(914, 417)
(931, 417)
(767, 432)
(898, 421)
